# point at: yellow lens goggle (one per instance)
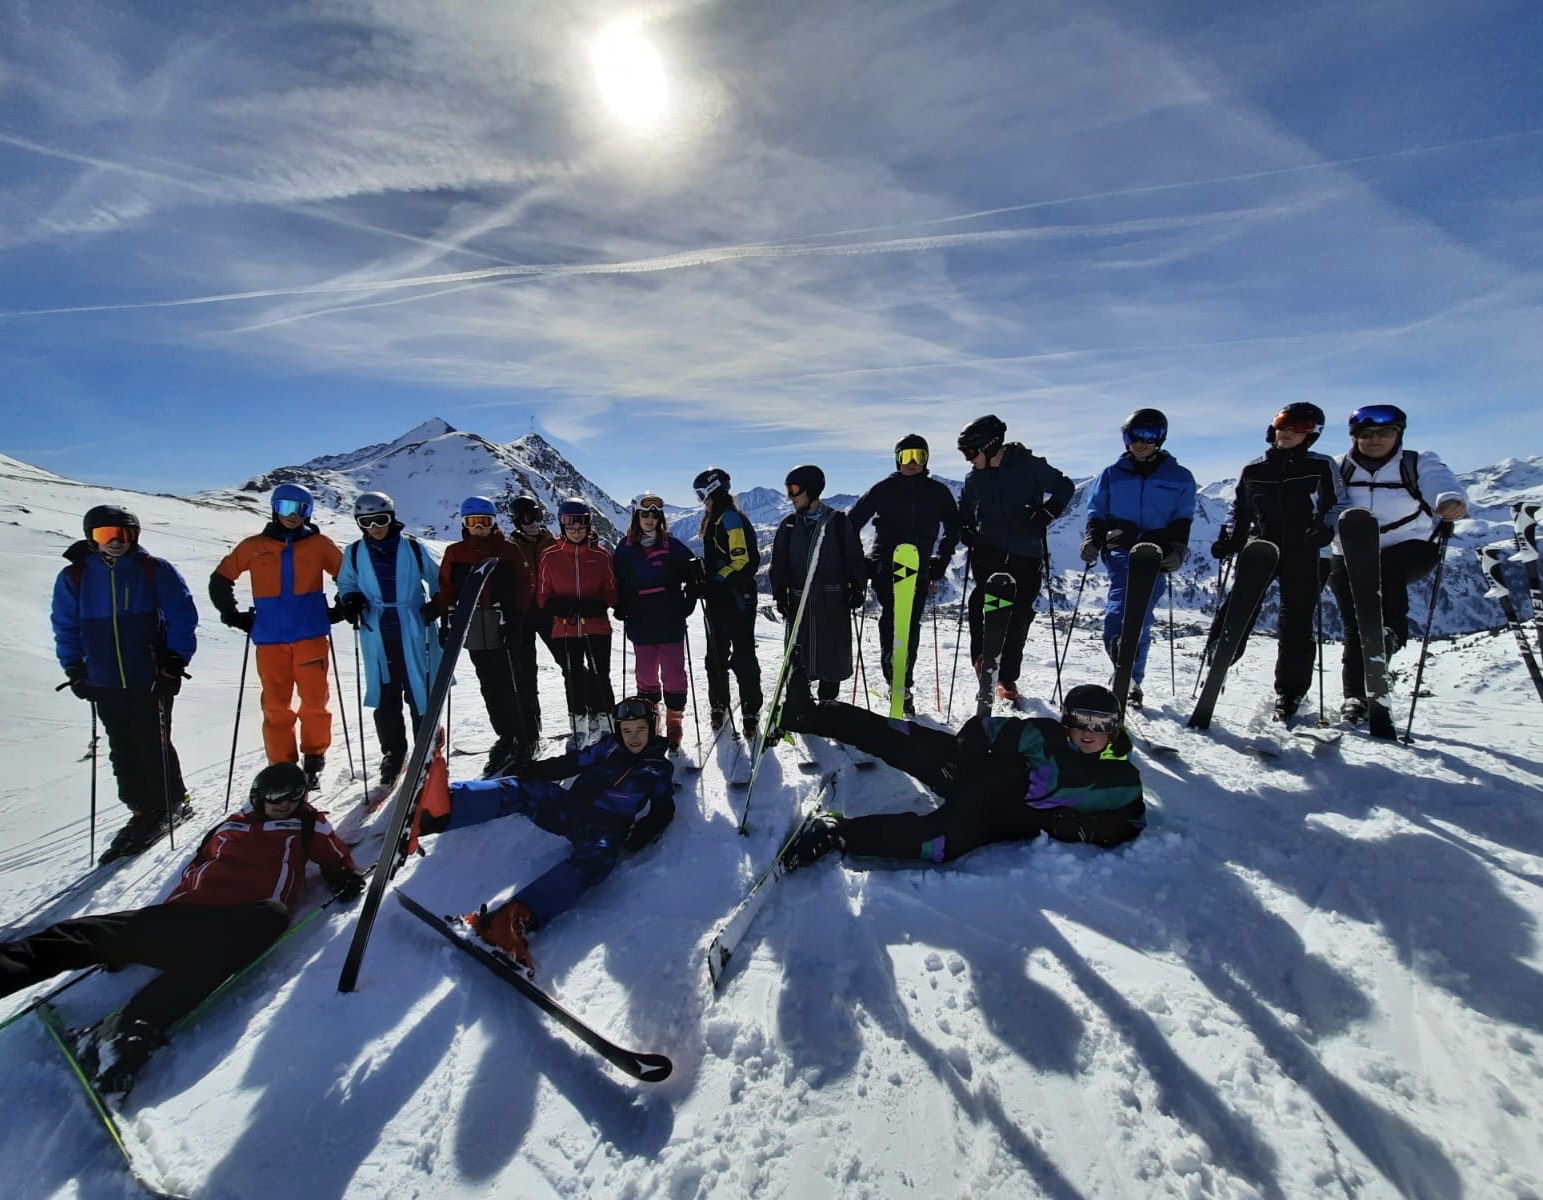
(911, 455)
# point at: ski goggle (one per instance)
(1296, 424)
(477, 521)
(794, 491)
(1150, 434)
(1091, 721)
(911, 454)
(374, 520)
(651, 506)
(970, 452)
(702, 493)
(291, 508)
(103, 534)
(1376, 416)
(279, 795)
(569, 520)
(634, 709)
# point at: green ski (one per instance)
(907, 566)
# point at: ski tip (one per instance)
(651, 1068)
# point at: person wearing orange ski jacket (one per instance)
(289, 623)
(234, 900)
(575, 585)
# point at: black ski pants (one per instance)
(133, 721)
(882, 573)
(586, 663)
(394, 693)
(1403, 563)
(520, 643)
(495, 675)
(982, 794)
(986, 561)
(1299, 577)
(730, 620)
(194, 946)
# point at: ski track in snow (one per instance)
(1314, 975)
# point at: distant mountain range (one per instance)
(429, 470)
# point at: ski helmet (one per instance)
(104, 516)
(290, 500)
(710, 481)
(479, 506)
(807, 477)
(1145, 425)
(525, 508)
(638, 708)
(372, 504)
(1305, 418)
(277, 782)
(1378, 416)
(1091, 706)
(573, 506)
(984, 435)
(913, 442)
(651, 503)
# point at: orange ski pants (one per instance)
(285, 668)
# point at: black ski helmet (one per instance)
(276, 782)
(525, 508)
(984, 435)
(1299, 413)
(103, 515)
(1378, 416)
(1091, 704)
(1145, 421)
(573, 506)
(807, 476)
(913, 441)
(709, 481)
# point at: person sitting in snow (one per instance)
(234, 900)
(1001, 779)
(621, 798)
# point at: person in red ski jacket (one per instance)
(575, 585)
(234, 900)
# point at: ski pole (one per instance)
(93, 783)
(1323, 721)
(964, 593)
(359, 697)
(937, 659)
(696, 716)
(47, 997)
(862, 670)
(1173, 661)
(1071, 625)
(163, 721)
(1055, 642)
(337, 677)
(1443, 532)
(230, 775)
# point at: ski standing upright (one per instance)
(1492, 559)
(1359, 535)
(1527, 554)
(996, 616)
(907, 565)
(1146, 558)
(1250, 577)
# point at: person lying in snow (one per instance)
(1001, 779)
(621, 798)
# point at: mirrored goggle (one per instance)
(794, 491)
(1149, 434)
(103, 534)
(573, 519)
(374, 520)
(284, 795)
(291, 508)
(911, 455)
(1296, 424)
(1376, 416)
(702, 493)
(477, 521)
(634, 710)
(1093, 722)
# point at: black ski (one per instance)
(650, 1068)
(1360, 538)
(996, 616)
(1251, 577)
(1491, 559)
(1146, 559)
(1527, 554)
(415, 771)
(134, 1156)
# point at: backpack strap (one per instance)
(1408, 480)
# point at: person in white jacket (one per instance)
(1410, 492)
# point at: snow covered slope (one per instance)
(1317, 975)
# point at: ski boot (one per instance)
(1286, 708)
(505, 929)
(390, 767)
(1134, 698)
(1353, 710)
(116, 1050)
(313, 765)
(822, 837)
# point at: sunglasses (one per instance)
(103, 534)
(477, 521)
(291, 508)
(794, 491)
(1376, 415)
(635, 710)
(912, 455)
(1092, 722)
(1150, 436)
(375, 520)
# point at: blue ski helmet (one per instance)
(479, 506)
(290, 499)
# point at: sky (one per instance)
(752, 234)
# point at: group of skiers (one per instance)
(124, 627)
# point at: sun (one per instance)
(631, 76)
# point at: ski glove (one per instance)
(783, 599)
(348, 885)
(77, 681)
(937, 567)
(1226, 547)
(562, 606)
(237, 619)
(968, 536)
(1040, 516)
(1318, 536)
(1173, 558)
(1090, 548)
(429, 611)
(352, 606)
(336, 614)
(857, 596)
(173, 669)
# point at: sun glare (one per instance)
(631, 76)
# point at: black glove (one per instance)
(621, 612)
(1225, 547)
(783, 599)
(1039, 516)
(562, 606)
(352, 606)
(591, 608)
(429, 611)
(77, 681)
(857, 595)
(1173, 558)
(968, 536)
(172, 670)
(937, 567)
(237, 619)
(971, 740)
(335, 614)
(1318, 536)
(348, 885)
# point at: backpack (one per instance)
(411, 541)
(1408, 480)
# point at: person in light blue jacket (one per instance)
(384, 589)
(1143, 496)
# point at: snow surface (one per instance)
(1317, 975)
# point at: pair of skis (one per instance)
(1492, 559)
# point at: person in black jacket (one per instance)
(908, 506)
(1292, 497)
